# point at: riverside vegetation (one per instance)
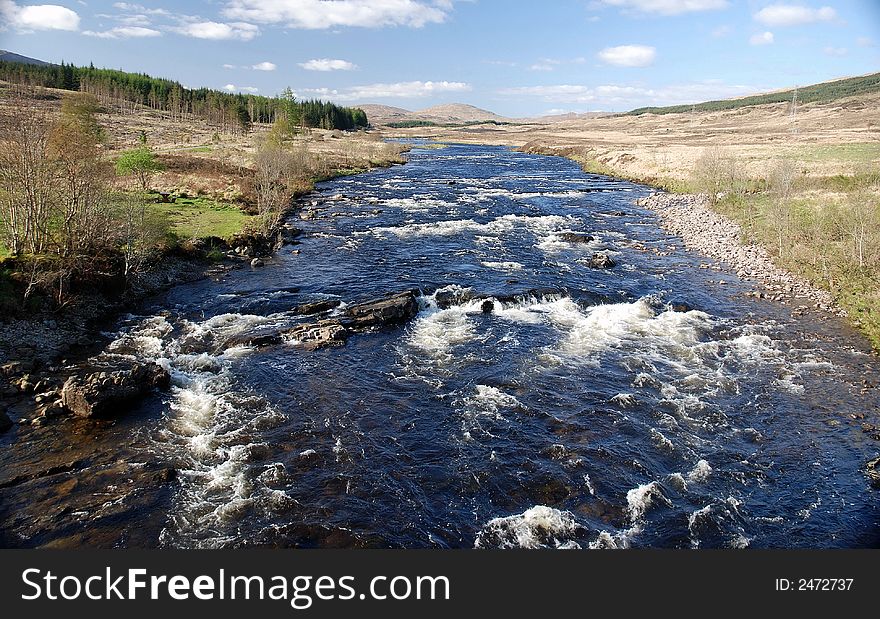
(825, 229)
(104, 199)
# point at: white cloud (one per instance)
(247, 89)
(38, 16)
(620, 96)
(722, 31)
(668, 7)
(865, 42)
(139, 8)
(264, 66)
(124, 32)
(541, 66)
(320, 14)
(761, 38)
(229, 66)
(793, 15)
(629, 55)
(398, 90)
(835, 51)
(328, 64)
(218, 31)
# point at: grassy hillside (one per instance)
(816, 93)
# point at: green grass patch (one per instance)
(201, 217)
(856, 152)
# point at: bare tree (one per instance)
(781, 183)
(715, 173)
(27, 177)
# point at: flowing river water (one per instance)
(648, 404)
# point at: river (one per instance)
(648, 404)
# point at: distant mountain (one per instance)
(440, 114)
(384, 114)
(457, 112)
(7, 56)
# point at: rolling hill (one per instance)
(815, 93)
(7, 56)
(449, 113)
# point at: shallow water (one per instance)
(583, 411)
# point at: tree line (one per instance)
(229, 111)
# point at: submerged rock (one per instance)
(102, 393)
(5, 422)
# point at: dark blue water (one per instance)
(583, 411)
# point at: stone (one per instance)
(257, 262)
(575, 237)
(487, 306)
(319, 335)
(103, 393)
(316, 308)
(600, 261)
(447, 297)
(390, 311)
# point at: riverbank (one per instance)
(703, 230)
(34, 348)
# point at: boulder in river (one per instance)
(575, 237)
(316, 307)
(315, 335)
(390, 311)
(600, 261)
(452, 295)
(102, 393)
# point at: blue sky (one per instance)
(515, 58)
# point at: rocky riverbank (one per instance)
(714, 235)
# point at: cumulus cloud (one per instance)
(328, 64)
(793, 15)
(629, 55)
(218, 31)
(668, 7)
(264, 66)
(622, 96)
(32, 17)
(761, 38)
(247, 89)
(865, 42)
(398, 90)
(124, 32)
(320, 14)
(835, 51)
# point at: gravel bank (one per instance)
(714, 235)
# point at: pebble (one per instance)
(714, 235)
